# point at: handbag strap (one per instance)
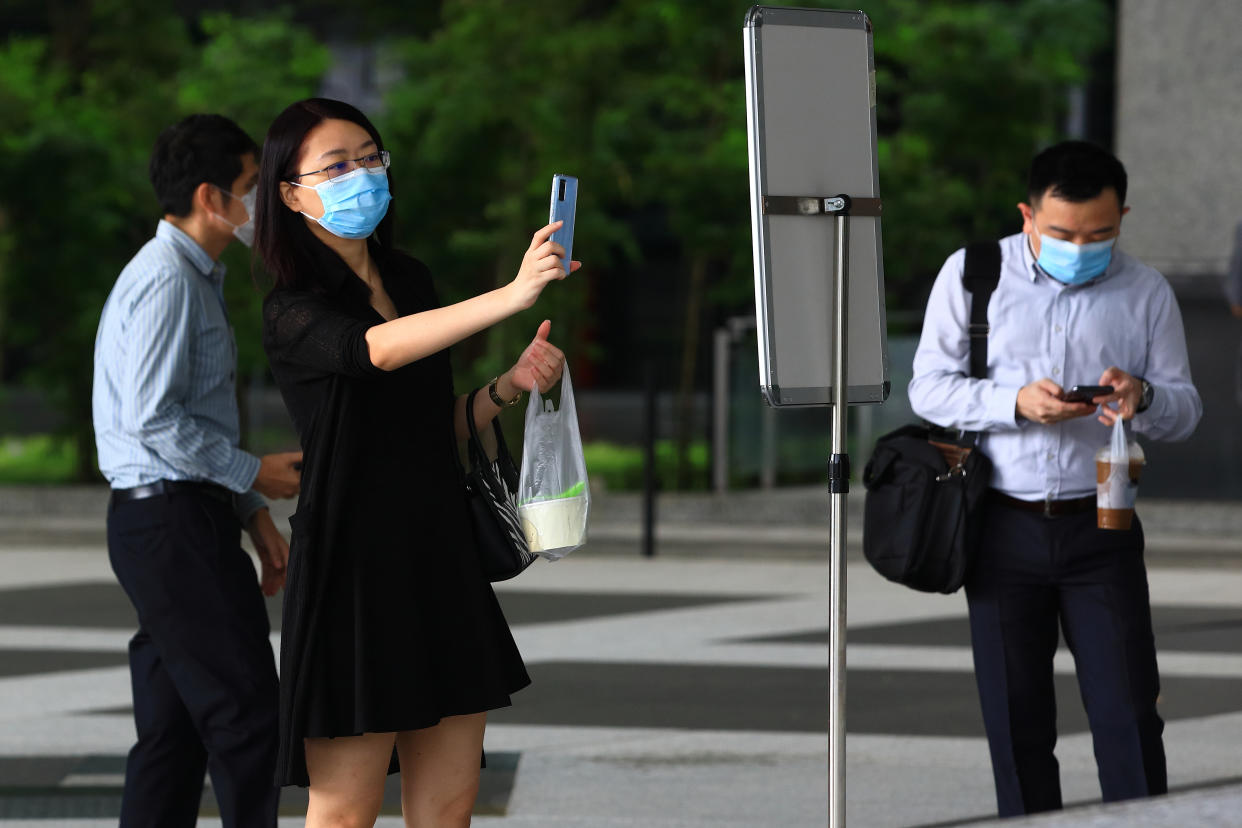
(980, 276)
(474, 445)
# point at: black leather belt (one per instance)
(1047, 508)
(160, 487)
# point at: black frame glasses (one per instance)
(370, 161)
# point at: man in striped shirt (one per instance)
(167, 433)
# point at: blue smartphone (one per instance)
(564, 207)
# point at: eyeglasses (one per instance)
(373, 161)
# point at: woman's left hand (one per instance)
(541, 363)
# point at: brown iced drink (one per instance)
(1110, 513)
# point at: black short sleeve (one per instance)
(301, 329)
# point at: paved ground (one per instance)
(688, 690)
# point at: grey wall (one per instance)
(1179, 122)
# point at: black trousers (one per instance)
(204, 677)
(1032, 574)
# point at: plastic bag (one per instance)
(554, 497)
(1118, 467)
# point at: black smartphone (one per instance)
(1086, 393)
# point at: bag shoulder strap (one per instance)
(478, 455)
(980, 276)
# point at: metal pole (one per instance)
(838, 486)
(649, 460)
(720, 412)
(767, 448)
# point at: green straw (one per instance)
(573, 491)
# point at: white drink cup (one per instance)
(554, 526)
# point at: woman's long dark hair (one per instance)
(292, 256)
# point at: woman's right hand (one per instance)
(541, 264)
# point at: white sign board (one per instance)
(810, 114)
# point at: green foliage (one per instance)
(79, 112)
(484, 101)
(40, 458)
(967, 93)
(258, 66)
(620, 468)
(487, 108)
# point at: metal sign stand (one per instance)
(840, 207)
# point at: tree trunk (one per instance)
(689, 365)
(7, 243)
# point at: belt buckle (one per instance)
(1048, 501)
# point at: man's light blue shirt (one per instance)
(1127, 317)
(164, 401)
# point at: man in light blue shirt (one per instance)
(166, 427)
(1069, 309)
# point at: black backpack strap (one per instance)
(979, 276)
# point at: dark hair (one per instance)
(292, 255)
(1076, 171)
(196, 149)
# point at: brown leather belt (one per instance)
(160, 487)
(1047, 508)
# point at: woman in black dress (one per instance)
(391, 636)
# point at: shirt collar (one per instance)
(337, 276)
(190, 249)
(1034, 271)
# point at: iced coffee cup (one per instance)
(1117, 477)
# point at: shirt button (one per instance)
(1051, 456)
(1056, 371)
(1059, 329)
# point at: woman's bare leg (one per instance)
(347, 779)
(440, 771)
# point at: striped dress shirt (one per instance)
(164, 401)
(1127, 317)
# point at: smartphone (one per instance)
(564, 207)
(1086, 393)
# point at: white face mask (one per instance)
(244, 231)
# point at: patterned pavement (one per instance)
(666, 692)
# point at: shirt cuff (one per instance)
(1003, 406)
(241, 472)
(246, 504)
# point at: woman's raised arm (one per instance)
(410, 338)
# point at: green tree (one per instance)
(80, 108)
(488, 107)
(680, 107)
(640, 99)
(644, 100)
(967, 93)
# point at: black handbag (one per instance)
(924, 483)
(491, 491)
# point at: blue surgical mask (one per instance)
(354, 203)
(1074, 264)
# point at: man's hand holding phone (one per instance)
(1043, 401)
(1088, 393)
(1126, 391)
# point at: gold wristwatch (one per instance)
(491, 392)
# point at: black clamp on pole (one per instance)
(839, 474)
(837, 205)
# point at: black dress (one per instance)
(388, 623)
